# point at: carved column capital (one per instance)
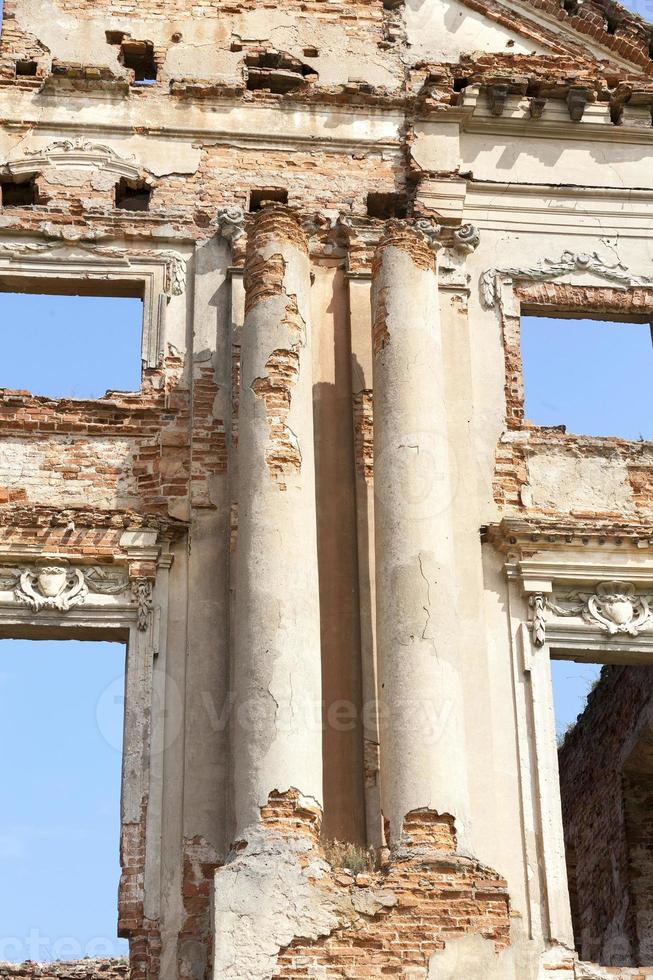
(467, 238)
(431, 231)
(230, 223)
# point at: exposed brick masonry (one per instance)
(605, 777)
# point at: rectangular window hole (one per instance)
(592, 376)
(139, 56)
(115, 37)
(18, 194)
(26, 68)
(65, 339)
(605, 757)
(267, 195)
(62, 714)
(133, 195)
(386, 206)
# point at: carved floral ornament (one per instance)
(548, 269)
(614, 607)
(58, 586)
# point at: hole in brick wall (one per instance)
(70, 346)
(18, 194)
(133, 195)
(115, 37)
(139, 56)
(267, 195)
(26, 68)
(590, 375)
(386, 206)
(277, 71)
(605, 755)
(62, 714)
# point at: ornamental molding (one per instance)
(175, 264)
(55, 585)
(76, 153)
(614, 607)
(142, 596)
(548, 269)
(51, 587)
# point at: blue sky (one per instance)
(80, 346)
(591, 375)
(61, 729)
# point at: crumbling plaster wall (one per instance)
(212, 43)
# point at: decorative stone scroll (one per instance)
(467, 237)
(230, 223)
(614, 607)
(555, 268)
(431, 232)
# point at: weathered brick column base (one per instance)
(329, 922)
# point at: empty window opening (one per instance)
(27, 68)
(277, 71)
(139, 56)
(62, 715)
(18, 194)
(267, 195)
(592, 376)
(71, 346)
(386, 206)
(605, 760)
(133, 195)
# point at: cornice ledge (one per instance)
(175, 263)
(527, 535)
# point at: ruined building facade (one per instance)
(339, 553)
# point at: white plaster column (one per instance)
(277, 739)
(420, 687)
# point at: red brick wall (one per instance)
(606, 790)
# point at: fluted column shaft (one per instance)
(277, 742)
(420, 691)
